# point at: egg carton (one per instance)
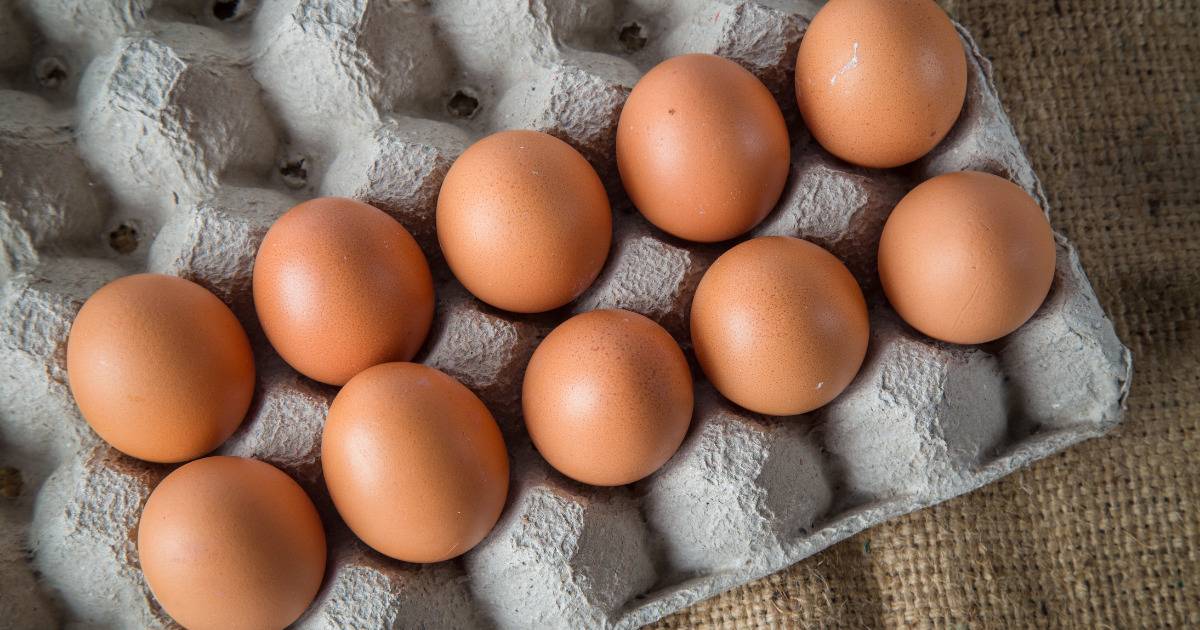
(167, 135)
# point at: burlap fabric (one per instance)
(1105, 95)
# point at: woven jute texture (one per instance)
(1106, 98)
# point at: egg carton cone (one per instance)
(167, 135)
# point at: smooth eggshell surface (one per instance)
(230, 543)
(524, 221)
(160, 367)
(607, 397)
(779, 325)
(414, 462)
(702, 148)
(340, 286)
(966, 257)
(880, 83)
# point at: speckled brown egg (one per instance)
(607, 397)
(524, 221)
(340, 286)
(414, 462)
(779, 325)
(880, 83)
(160, 367)
(229, 543)
(702, 148)
(966, 257)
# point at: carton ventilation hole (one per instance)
(225, 9)
(633, 37)
(463, 105)
(124, 239)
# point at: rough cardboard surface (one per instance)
(366, 590)
(563, 555)
(84, 537)
(1102, 95)
(740, 486)
(919, 416)
(179, 132)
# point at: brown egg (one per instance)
(159, 367)
(966, 257)
(340, 286)
(524, 221)
(607, 397)
(702, 148)
(779, 325)
(880, 83)
(230, 543)
(414, 462)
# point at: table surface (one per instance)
(1105, 95)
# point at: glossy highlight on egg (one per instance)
(967, 257)
(230, 542)
(607, 397)
(880, 82)
(414, 462)
(160, 367)
(779, 325)
(702, 148)
(524, 221)
(340, 286)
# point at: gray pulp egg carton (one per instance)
(167, 135)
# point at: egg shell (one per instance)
(702, 148)
(966, 257)
(607, 397)
(231, 543)
(880, 83)
(524, 221)
(779, 325)
(414, 462)
(160, 367)
(340, 286)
